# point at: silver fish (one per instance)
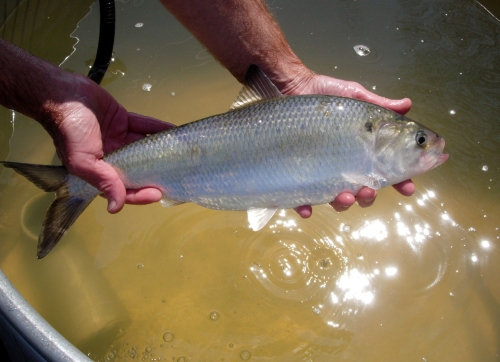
(268, 152)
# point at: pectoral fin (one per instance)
(258, 218)
(166, 202)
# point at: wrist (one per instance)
(62, 90)
(291, 78)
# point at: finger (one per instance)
(146, 125)
(147, 195)
(328, 85)
(401, 106)
(405, 188)
(366, 197)
(343, 201)
(103, 177)
(304, 211)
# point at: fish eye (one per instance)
(421, 138)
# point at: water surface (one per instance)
(409, 279)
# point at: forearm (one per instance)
(240, 33)
(32, 86)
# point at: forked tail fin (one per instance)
(63, 211)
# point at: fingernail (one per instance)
(340, 208)
(111, 205)
(367, 202)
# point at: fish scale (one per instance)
(272, 153)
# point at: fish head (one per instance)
(405, 149)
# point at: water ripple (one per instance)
(294, 263)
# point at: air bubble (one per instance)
(362, 50)
(168, 337)
(245, 355)
(214, 315)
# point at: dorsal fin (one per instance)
(257, 88)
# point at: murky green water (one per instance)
(410, 279)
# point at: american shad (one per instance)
(268, 152)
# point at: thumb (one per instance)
(111, 186)
(105, 178)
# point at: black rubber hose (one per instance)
(106, 40)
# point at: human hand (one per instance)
(310, 83)
(91, 123)
(83, 119)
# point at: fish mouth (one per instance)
(437, 154)
(440, 160)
